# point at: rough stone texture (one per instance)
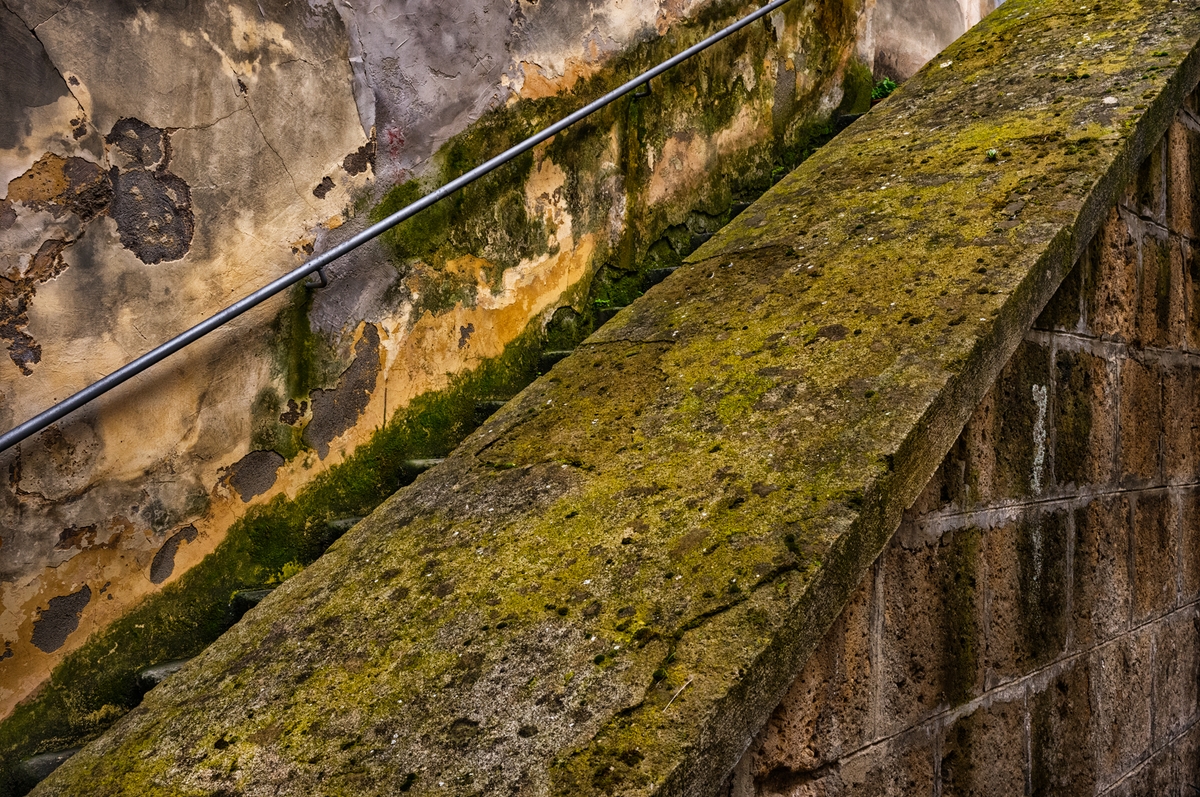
(983, 753)
(591, 596)
(1141, 421)
(162, 161)
(1083, 599)
(1102, 597)
(1155, 551)
(1063, 759)
(1176, 675)
(931, 656)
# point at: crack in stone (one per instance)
(271, 146)
(67, 83)
(61, 9)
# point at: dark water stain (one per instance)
(58, 620)
(153, 211)
(255, 473)
(30, 79)
(144, 145)
(334, 411)
(164, 561)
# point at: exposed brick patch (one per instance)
(255, 473)
(334, 411)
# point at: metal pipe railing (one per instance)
(40, 421)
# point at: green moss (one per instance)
(267, 433)
(420, 236)
(304, 359)
(858, 86)
(701, 97)
(487, 219)
(94, 686)
(620, 468)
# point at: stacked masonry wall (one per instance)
(1033, 628)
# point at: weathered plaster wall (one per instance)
(610, 585)
(159, 184)
(160, 162)
(1033, 627)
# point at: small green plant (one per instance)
(883, 88)
(992, 154)
(289, 570)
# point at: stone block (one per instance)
(1176, 674)
(1021, 425)
(1003, 450)
(1062, 753)
(983, 753)
(1161, 316)
(1180, 295)
(932, 628)
(1111, 294)
(1157, 776)
(902, 767)
(1026, 594)
(1140, 422)
(1189, 529)
(1189, 254)
(967, 473)
(935, 496)
(1186, 752)
(1183, 180)
(1121, 675)
(1147, 194)
(826, 711)
(1181, 423)
(1064, 311)
(1102, 597)
(1155, 554)
(1085, 420)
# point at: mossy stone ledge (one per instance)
(607, 587)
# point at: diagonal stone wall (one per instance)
(146, 190)
(1034, 625)
(611, 585)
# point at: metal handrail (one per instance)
(316, 264)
